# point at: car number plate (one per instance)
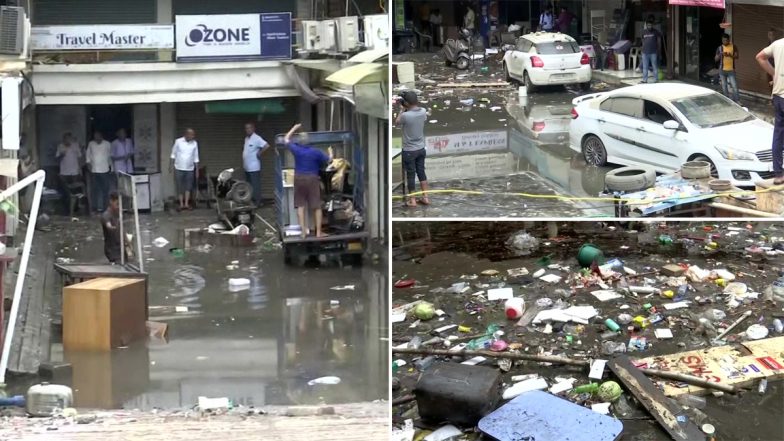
(355, 246)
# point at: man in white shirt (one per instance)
(255, 145)
(185, 162)
(99, 160)
(776, 70)
(122, 153)
(69, 153)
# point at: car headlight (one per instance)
(736, 155)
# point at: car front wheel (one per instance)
(713, 171)
(585, 86)
(507, 78)
(594, 151)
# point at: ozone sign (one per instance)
(233, 37)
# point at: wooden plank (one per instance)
(473, 85)
(739, 365)
(664, 410)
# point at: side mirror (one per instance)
(671, 125)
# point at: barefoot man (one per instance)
(412, 120)
(776, 52)
(308, 162)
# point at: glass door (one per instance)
(690, 44)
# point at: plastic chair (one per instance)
(634, 57)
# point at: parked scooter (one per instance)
(234, 200)
(458, 52)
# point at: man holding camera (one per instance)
(412, 120)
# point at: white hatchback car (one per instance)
(547, 58)
(664, 125)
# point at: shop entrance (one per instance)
(108, 119)
(702, 32)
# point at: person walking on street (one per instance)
(308, 162)
(69, 153)
(726, 54)
(185, 163)
(122, 153)
(412, 120)
(110, 224)
(651, 41)
(255, 145)
(547, 20)
(98, 158)
(776, 51)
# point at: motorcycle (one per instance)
(234, 200)
(458, 52)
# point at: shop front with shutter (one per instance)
(82, 12)
(220, 132)
(750, 25)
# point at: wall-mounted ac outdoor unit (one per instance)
(311, 36)
(376, 31)
(328, 34)
(348, 34)
(12, 30)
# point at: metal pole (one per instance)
(37, 177)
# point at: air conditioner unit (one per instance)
(310, 35)
(376, 31)
(348, 34)
(12, 30)
(328, 33)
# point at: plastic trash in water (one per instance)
(239, 284)
(214, 403)
(692, 401)
(467, 102)
(324, 381)
(523, 243)
(160, 242)
(445, 433)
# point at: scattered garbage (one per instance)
(160, 242)
(206, 404)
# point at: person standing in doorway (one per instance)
(255, 145)
(776, 52)
(651, 42)
(110, 224)
(435, 26)
(412, 120)
(69, 153)
(726, 54)
(564, 21)
(185, 163)
(484, 25)
(122, 153)
(547, 20)
(308, 162)
(98, 159)
(469, 20)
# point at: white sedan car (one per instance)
(664, 125)
(547, 58)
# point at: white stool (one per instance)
(634, 57)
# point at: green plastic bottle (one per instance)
(485, 340)
(590, 388)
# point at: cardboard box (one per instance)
(104, 313)
(288, 176)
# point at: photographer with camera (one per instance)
(412, 120)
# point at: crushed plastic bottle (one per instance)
(485, 340)
(415, 342)
(692, 401)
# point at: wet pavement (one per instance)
(532, 155)
(257, 346)
(438, 255)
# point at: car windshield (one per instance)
(557, 48)
(711, 110)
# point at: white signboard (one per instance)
(465, 142)
(218, 36)
(469, 166)
(11, 108)
(102, 37)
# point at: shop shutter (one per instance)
(73, 12)
(200, 7)
(750, 24)
(221, 137)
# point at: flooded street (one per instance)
(437, 256)
(258, 346)
(510, 146)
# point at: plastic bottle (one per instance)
(610, 323)
(692, 401)
(778, 326)
(514, 308)
(425, 363)
(665, 239)
(763, 386)
(415, 342)
(590, 388)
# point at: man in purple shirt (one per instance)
(308, 161)
(122, 153)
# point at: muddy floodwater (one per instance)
(438, 255)
(258, 345)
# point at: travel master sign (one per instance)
(233, 37)
(102, 37)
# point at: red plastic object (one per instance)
(406, 283)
